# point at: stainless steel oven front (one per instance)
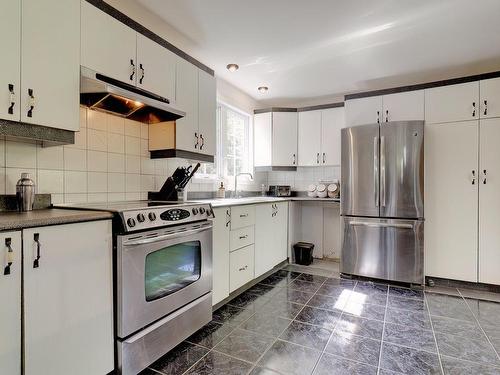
(161, 271)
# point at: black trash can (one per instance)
(303, 253)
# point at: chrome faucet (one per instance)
(236, 182)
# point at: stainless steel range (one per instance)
(163, 277)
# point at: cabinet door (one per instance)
(241, 265)
(10, 39)
(452, 103)
(280, 228)
(284, 139)
(363, 111)
(309, 147)
(451, 200)
(50, 63)
(207, 105)
(490, 98)
(404, 106)
(489, 201)
(68, 299)
(186, 93)
(156, 68)
(263, 135)
(10, 294)
(220, 254)
(332, 121)
(107, 45)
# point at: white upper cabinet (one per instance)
(50, 59)
(332, 121)
(10, 294)
(284, 151)
(107, 45)
(363, 111)
(10, 74)
(207, 106)
(263, 135)
(309, 147)
(404, 106)
(452, 103)
(490, 98)
(155, 68)
(187, 137)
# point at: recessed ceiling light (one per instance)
(263, 89)
(232, 67)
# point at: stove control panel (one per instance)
(174, 214)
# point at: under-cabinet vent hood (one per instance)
(109, 95)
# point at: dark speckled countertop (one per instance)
(49, 216)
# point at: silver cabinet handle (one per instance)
(132, 69)
(36, 262)
(317, 158)
(484, 176)
(243, 237)
(243, 215)
(386, 115)
(202, 141)
(473, 177)
(293, 159)
(9, 256)
(378, 117)
(324, 155)
(12, 99)
(196, 143)
(228, 218)
(381, 225)
(31, 102)
(473, 109)
(143, 73)
(485, 107)
(165, 237)
(382, 171)
(375, 172)
(242, 268)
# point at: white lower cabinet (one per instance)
(68, 299)
(241, 267)
(10, 312)
(220, 254)
(271, 236)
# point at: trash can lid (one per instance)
(305, 245)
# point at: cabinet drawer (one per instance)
(241, 237)
(242, 216)
(241, 263)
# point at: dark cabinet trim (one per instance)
(174, 153)
(47, 135)
(302, 109)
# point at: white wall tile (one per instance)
(97, 140)
(75, 198)
(132, 145)
(75, 182)
(159, 181)
(132, 196)
(50, 157)
(145, 131)
(2, 152)
(147, 183)
(83, 117)
(97, 120)
(162, 167)
(132, 183)
(97, 182)
(116, 163)
(50, 181)
(116, 182)
(116, 197)
(116, 143)
(2, 180)
(147, 166)
(132, 128)
(132, 164)
(75, 159)
(145, 147)
(97, 197)
(12, 175)
(20, 154)
(97, 161)
(80, 140)
(57, 198)
(116, 125)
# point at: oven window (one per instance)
(172, 268)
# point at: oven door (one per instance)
(159, 272)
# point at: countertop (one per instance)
(227, 202)
(48, 216)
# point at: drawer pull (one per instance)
(243, 237)
(10, 256)
(242, 268)
(36, 262)
(244, 215)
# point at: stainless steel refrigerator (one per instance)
(382, 201)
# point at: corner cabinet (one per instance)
(10, 293)
(68, 299)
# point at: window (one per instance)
(233, 145)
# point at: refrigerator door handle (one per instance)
(381, 225)
(375, 172)
(382, 171)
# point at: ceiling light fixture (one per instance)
(263, 89)
(232, 67)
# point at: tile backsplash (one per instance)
(304, 176)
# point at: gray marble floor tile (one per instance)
(292, 295)
(479, 294)
(416, 338)
(409, 361)
(179, 359)
(406, 293)
(266, 324)
(215, 363)
(372, 287)
(326, 302)
(462, 328)
(438, 289)
(281, 308)
(357, 348)
(406, 304)
(454, 366)
(288, 358)
(346, 283)
(263, 371)
(245, 345)
(275, 280)
(248, 300)
(263, 290)
(486, 312)
(417, 319)
(361, 327)
(480, 351)
(332, 365)
(333, 290)
(375, 295)
(304, 286)
(495, 341)
(320, 317)
(365, 310)
(312, 278)
(210, 335)
(491, 330)
(289, 274)
(313, 337)
(448, 306)
(231, 315)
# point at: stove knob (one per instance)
(140, 218)
(131, 222)
(152, 216)
(195, 211)
(202, 210)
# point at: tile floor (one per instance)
(302, 323)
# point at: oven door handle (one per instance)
(166, 236)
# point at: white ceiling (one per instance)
(305, 49)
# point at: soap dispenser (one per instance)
(221, 193)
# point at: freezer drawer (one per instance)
(388, 249)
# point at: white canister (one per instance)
(333, 190)
(321, 191)
(311, 191)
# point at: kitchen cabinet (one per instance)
(452, 103)
(404, 106)
(451, 200)
(284, 152)
(271, 236)
(263, 136)
(10, 293)
(309, 131)
(220, 254)
(187, 100)
(332, 121)
(107, 45)
(155, 68)
(207, 106)
(10, 74)
(363, 111)
(241, 264)
(242, 216)
(490, 98)
(68, 299)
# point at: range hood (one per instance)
(109, 95)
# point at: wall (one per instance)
(304, 176)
